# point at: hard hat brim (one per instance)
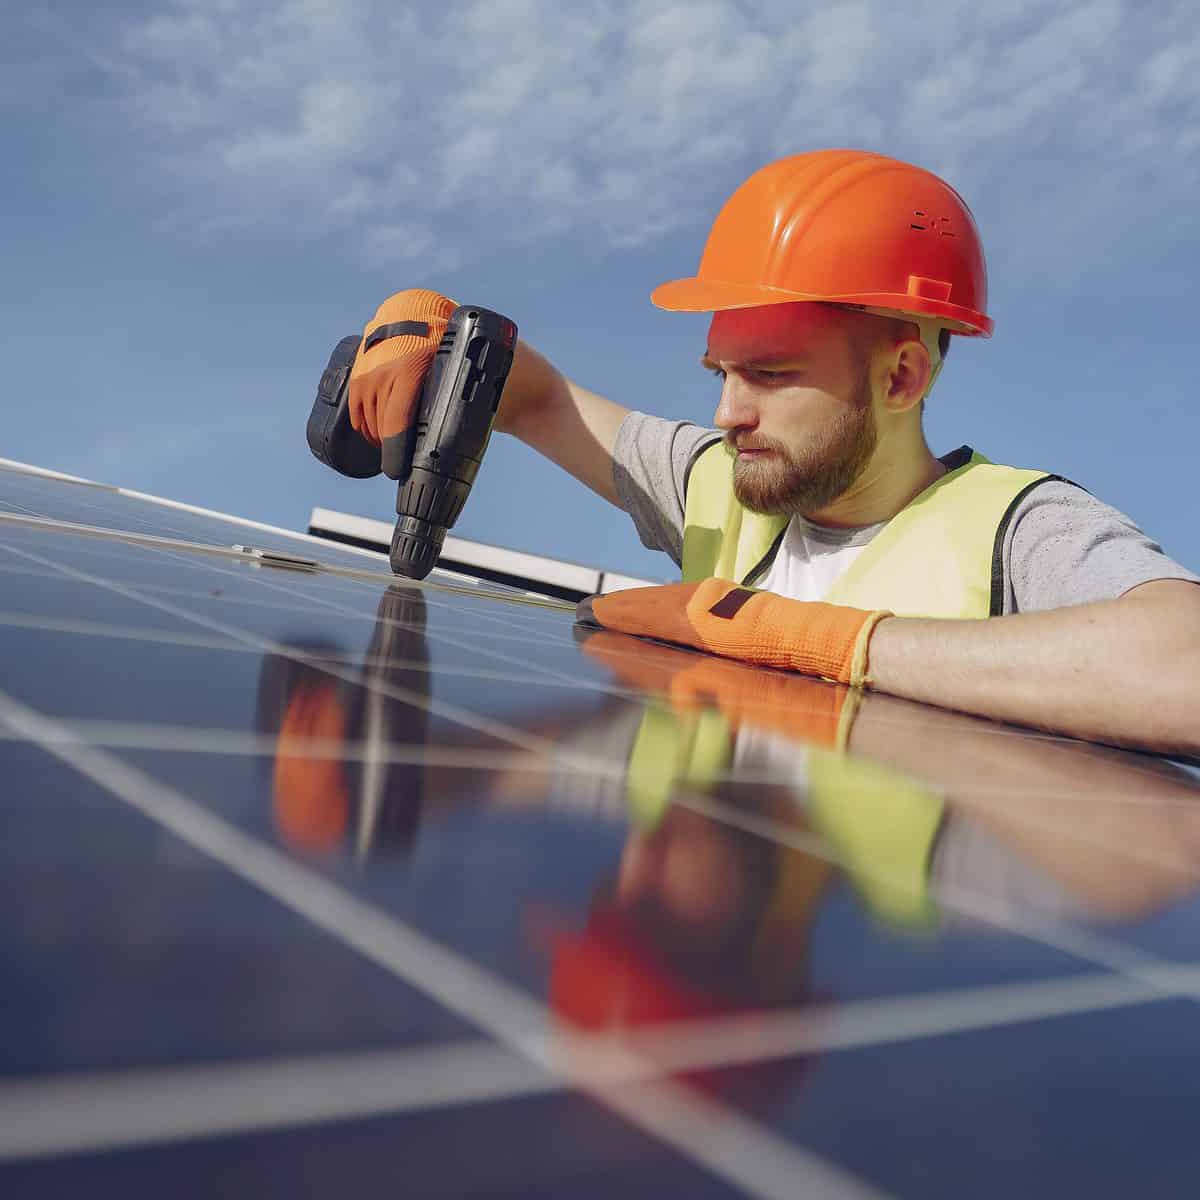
(707, 295)
(711, 295)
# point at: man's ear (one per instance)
(909, 375)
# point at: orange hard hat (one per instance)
(844, 227)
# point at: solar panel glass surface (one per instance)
(318, 879)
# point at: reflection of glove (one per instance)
(399, 343)
(816, 713)
(310, 797)
(829, 640)
(803, 709)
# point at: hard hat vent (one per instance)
(938, 225)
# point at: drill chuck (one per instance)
(416, 546)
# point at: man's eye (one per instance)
(766, 375)
(717, 371)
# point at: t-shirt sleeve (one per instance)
(1065, 547)
(651, 458)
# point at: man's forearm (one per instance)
(572, 426)
(1123, 671)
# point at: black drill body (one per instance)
(437, 458)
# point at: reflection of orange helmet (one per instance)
(610, 975)
(844, 227)
(612, 978)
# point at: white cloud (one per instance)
(622, 120)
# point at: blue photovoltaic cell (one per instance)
(125, 948)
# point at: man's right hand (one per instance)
(386, 380)
(570, 425)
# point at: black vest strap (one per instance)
(997, 604)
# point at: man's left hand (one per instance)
(827, 640)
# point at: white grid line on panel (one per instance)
(99, 629)
(344, 610)
(435, 707)
(529, 672)
(439, 708)
(135, 1108)
(240, 554)
(91, 1112)
(302, 604)
(452, 542)
(86, 628)
(730, 1145)
(181, 739)
(179, 506)
(135, 522)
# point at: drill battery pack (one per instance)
(331, 437)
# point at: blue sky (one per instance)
(201, 198)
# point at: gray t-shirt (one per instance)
(1062, 546)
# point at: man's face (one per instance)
(674, 871)
(796, 403)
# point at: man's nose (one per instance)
(736, 409)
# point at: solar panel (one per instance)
(317, 881)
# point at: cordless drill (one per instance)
(439, 456)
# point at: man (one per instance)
(835, 280)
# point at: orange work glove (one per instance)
(814, 638)
(397, 351)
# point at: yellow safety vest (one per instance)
(939, 557)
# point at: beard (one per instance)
(796, 482)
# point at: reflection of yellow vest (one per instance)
(880, 825)
(882, 828)
(939, 557)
